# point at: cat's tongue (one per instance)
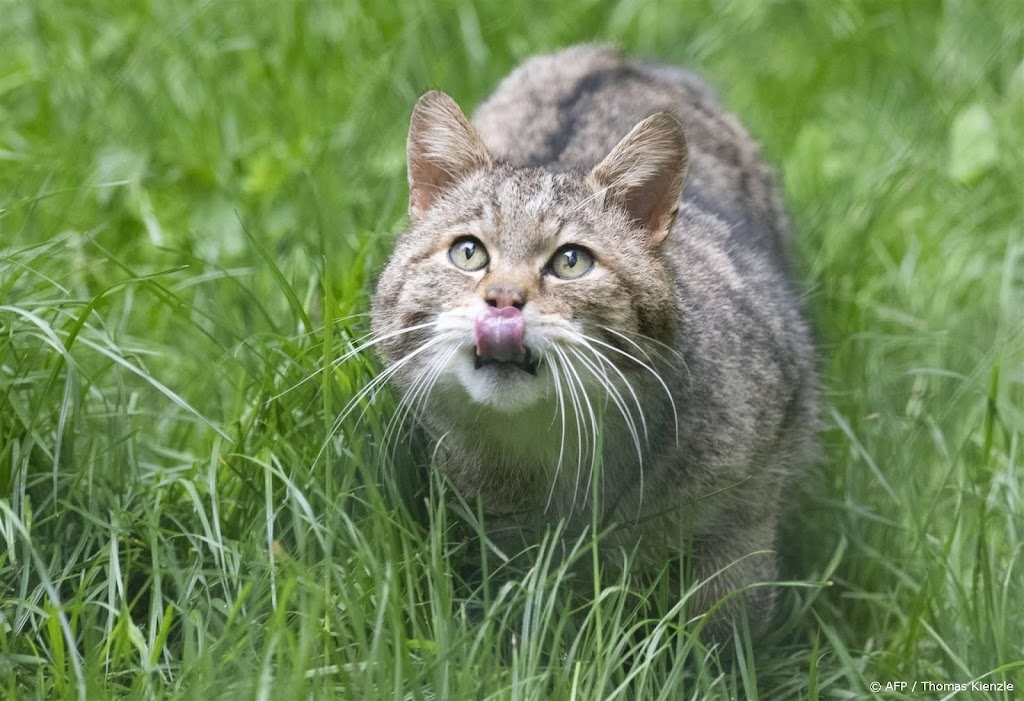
(499, 334)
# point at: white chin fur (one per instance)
(500, 387)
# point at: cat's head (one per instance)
(511, 281)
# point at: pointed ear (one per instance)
(443, 148)
(644, 174)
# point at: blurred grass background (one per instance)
(194, 198)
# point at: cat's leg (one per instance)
(733, 567)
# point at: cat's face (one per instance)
(515, 287)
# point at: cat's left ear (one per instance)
(644, 174)
(443, 148)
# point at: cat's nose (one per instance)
(505, 296)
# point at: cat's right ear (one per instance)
(443, 148)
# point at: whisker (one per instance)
(376, 382)
(336, 321)
(355, 351)
(667, 347)
(593, 424)
(556, 375)
(625, 381)
(620, 404)
(377, 339)
(577, 417)
(415, 401)
(397, 418)
(654, 373)
(406, 400)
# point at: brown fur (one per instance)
(587, 147)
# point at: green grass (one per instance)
(194, 198)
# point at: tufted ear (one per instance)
(443, 148)
(644, 174)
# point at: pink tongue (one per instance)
(499, 334)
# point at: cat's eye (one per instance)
(571, 262)
(467, 253)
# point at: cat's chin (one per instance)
(502, 387)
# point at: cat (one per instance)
(592, 309)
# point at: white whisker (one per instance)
(374, 340)
(572, 373)
(675, 352)
(376, 382)
(556, 375)
(610, 386)
(415, 400)
(654, 373)
(577, 410)
(613, 393)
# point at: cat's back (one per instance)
(567, 110)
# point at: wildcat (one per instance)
(591, 310)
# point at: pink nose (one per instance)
(505, 296)
(499, 334)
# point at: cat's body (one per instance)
(676, 335)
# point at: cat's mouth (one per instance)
(526, 361)
(499, 340)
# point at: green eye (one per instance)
(571, 262)
(467, 253)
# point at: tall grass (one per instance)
(194, 198)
